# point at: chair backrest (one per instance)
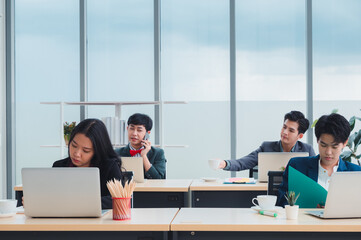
(274, 181)
(253, 172)
(127, 176)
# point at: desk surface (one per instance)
(143, 219)
(164, 185)
(201, 185)
(246, 219)
(154, 185)
(183, 185)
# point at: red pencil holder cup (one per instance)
(121, 208)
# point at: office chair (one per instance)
(274, 182)
(252, 172)
(127, 176)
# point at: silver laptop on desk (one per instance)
(274, 161)
(61, 192)
(343, 198)
(134, 164)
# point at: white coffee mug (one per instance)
(7, 206)
(214, 163)
(265, 201)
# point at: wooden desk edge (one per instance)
(229, 187)
(85, 227)
(161, 189)
(264, 228)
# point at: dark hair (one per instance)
(298, 117)
(141, 119)
(335, 125)
(96, 131)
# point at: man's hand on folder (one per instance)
(321, 205)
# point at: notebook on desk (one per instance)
(274, 161)
(239, 180)
(61, 192)
(343, 198)
(134, 164)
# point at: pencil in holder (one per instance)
(121, 208)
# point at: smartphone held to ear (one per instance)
(146, 137)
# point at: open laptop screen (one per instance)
(134, 164)
(61, 192)
(274, 161)
(343, 198)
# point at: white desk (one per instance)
(164, 185)
(177, 193)
(153, 193)
(162, 193)
(233, 223)
(148, 222)
(217, 194)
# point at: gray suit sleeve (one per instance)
(311, 151)
(304, 147)
(246, 162)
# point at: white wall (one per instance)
(2, 101)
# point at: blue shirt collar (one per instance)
(292, 150)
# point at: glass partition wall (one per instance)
(46, 69)
(2, 103)
(270, 69)
(120, 55)
(194, 60)
(195, 68)
(337, 58)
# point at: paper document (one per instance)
(311, 193)
(239, 180)
(20, 209)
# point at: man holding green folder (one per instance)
(311, 175)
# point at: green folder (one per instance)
(311, 193)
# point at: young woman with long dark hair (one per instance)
(90, 146)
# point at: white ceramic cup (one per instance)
(7, 206)
(265, 201)
(214, 163)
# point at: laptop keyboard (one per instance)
(104, 211)
(316, 213)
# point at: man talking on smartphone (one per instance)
(139, 127)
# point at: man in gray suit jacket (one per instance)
(294, 126)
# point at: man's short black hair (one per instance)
(298, 117)
(335, 125)
(141, 119)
